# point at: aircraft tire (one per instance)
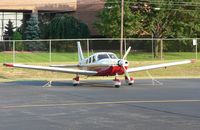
(130, 84)
(75, 85)
(117, 86)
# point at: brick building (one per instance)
(85, 10)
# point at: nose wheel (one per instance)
(76, 81)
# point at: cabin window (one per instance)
(93, 59)
(112, 56)
(102, 56)
(90, 60)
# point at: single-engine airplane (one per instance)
(99, 64)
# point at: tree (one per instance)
(8, 34)
(23, 26)
(67, 27)
(142, 19)
(9, 30)
(44, 20)
(172, 20)
(18, 44)
(32, 32)
(17, 36)
(110, 20)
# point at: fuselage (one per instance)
(105, 63)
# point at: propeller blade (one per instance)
(126, 73)
(125, 55)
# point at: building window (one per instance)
(15, 17)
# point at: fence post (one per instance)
(14, 51)
(50, 60)
(88, 47)
(161, 49)
(152, 47)
(125, 45)
(194, 42)
(197, 51)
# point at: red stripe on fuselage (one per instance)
(110, 71)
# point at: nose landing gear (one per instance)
(76, 81)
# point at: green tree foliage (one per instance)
(110, 20)
(159, 22)
(175, 18)
(9, 30)
(17, 36)
(18, 44)
(44, 20)
(66, 27)
(8, 34)
(32, 32)
(23, 26)
(63, 26)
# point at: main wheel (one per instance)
(130, 84)
(75, 84)
(117, 86)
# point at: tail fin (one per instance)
(80, 53)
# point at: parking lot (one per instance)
(98, 105)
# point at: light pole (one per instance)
(122, 28)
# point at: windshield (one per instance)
(112, 56)
(102, 56)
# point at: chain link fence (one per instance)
(49, 52)
(53, 51)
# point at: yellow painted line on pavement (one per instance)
(94, 103)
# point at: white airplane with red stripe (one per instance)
(99, 64)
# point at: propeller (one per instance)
(126, 73)
(127, 52)
(121, 63)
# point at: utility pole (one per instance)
(122, 28)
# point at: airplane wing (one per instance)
(53, 69)
(164, 65)
(65, 66)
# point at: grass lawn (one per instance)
(37, 57)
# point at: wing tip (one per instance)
(8, 65)
(193, 60)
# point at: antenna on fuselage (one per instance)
(80, 53)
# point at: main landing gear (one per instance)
(117, 82)
(76, 81)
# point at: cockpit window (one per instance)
(112, 56)
(102, 56)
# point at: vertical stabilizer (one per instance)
(80, 53)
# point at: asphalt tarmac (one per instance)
(26, 105)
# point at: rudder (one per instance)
(80, 52)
